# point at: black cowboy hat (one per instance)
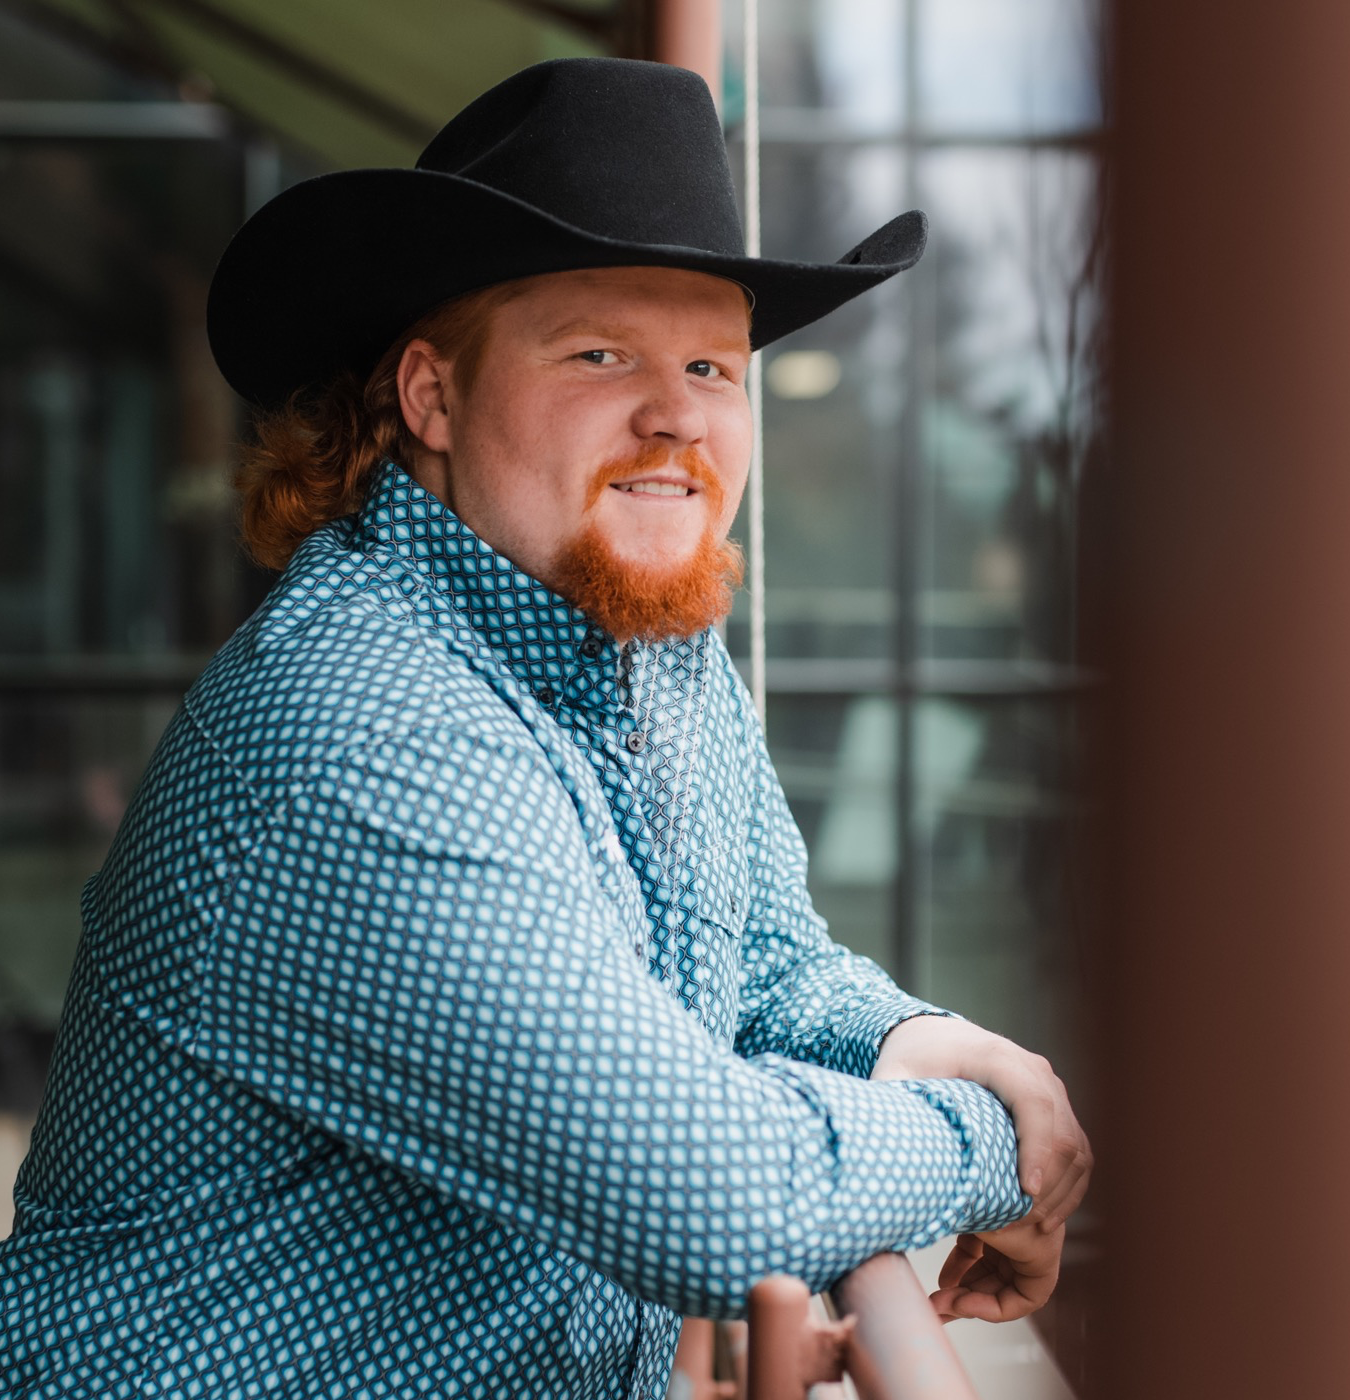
(574, 163)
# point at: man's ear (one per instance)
(423, 395)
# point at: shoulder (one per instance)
(343, 652)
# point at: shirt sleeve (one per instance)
(413, 952)
(803, 995)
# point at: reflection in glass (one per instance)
(831, 459)
(67, 770)
(1013, 278)
(837, 759)
(990, 66)
(823, 66)
(119, 571)
(993, 817)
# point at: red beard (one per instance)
(649, 603)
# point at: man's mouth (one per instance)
(652, 488)
(651, 474)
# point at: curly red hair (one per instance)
(312, 461)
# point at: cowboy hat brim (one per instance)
(326, 276)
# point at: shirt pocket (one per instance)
(710, 976)
(721, 888)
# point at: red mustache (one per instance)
(651, 457)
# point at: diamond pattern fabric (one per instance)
(451, 1015)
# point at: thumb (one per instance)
(945, 1302)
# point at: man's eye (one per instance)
(598, 357)
(705, 369)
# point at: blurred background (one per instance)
(929, 449)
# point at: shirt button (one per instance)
(591, 647)
(545, 695)
(636, 741)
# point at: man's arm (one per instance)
(414, 953)
(805, 996)
(1054, 1157)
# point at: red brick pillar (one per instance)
(688, 34)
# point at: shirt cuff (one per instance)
(857, 1043)
(994, 1197)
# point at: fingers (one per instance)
(943, 1301)
(988, 1297)
(1067, 1186)
(999, 1276)
(1048, 1135)
(1054, 1157)
(966, 1251)
(1034, 1114)
(961, 1304)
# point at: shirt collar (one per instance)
(552, 648)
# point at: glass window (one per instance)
(837, 757)
(119, 569)
(831, 75)
(1014, 303)
(992, 814)
(1019, 69)
(68, 765)
(924, 449)
(836, 393)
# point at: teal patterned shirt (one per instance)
(451, 1015)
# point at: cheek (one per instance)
(734, 460)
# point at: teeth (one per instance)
(654, 488)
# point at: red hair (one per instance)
(629, 598)
(312, 461)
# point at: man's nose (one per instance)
(669, 408)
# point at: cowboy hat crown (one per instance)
(569, 164)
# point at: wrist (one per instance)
(920, 1047)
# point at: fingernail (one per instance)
(1034, 1184)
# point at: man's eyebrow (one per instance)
(740, 346)
(604, 331)
(581, 326)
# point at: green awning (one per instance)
(350, 81)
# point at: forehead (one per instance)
(546, 305)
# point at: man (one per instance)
(451, 1014)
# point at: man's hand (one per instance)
(1054, 1159)
(1000, 1274)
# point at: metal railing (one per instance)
(885, 1339)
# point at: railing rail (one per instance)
(887, 1340)
(899, 1349)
